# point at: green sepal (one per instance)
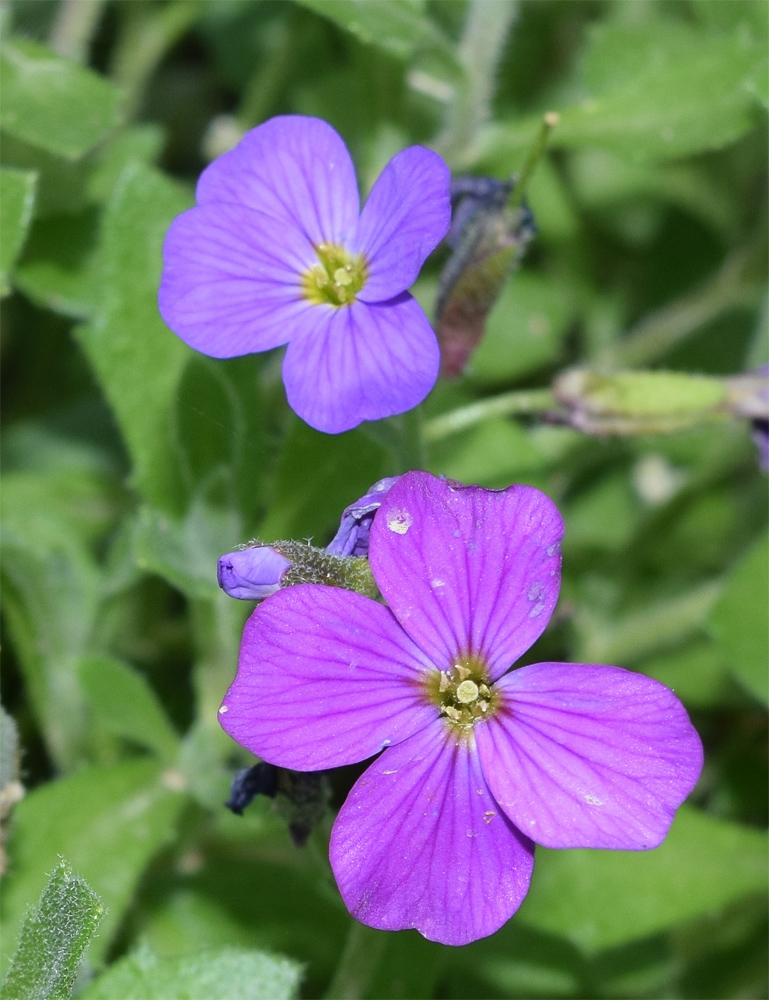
(639, 402)
(313, 565)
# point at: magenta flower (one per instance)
(478, 763)
(278, 252)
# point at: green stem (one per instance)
(657, 334)
(148, 32)
(518, 193)
(410, 453)
(358, 964)
(74, 26)
(505, 405)
(485, 34)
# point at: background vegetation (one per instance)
(130, 464)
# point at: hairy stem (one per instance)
(146, 36)
(657, 334)
(486, 29)
(505, 405)
(74, 26)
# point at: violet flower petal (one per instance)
(589, 756)
(251, 574)
(361, 362)
(467, 570)
(420, 842)
(230, 282)
(296, 169)
(326, 677)
(352, 537)
(405, 217)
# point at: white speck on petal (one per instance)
(222, 710)
(537, 610)
(399, 521)
(593, 800)
(553, 549)
(391, 772)
(437, 583)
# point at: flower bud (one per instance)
(252, 573)
(352, 537)
(489, 240)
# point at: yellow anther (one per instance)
(342, 276)
(467, 692)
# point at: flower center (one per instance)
(337, 277)
(463, 693)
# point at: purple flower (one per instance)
(478, 763)
(277, 252)
(254, 572)
(352, 537)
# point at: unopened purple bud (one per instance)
(253, 573)
(352, 537)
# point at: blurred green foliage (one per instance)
(130, 464)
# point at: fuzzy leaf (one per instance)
(54, 103)
(226, 974)
(54, 937)
(17, 197)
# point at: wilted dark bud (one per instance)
(300, 798)
(261, 779)
(488, 239)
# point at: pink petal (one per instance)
(231, 280)
(420, 842)
(326, 677)
(589, 756)
(405, 217)
(361, 362)
(297, 170)
(467, 570)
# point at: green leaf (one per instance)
(654, 92)
(644, 631)
(318, 476)
(698, 674)
(108, 821)
(54, 103)
(185, 553)
(126, 704)
(397, 26)
(739, 620)
(600, 899)
(208, 423)
(58, 270)
(50, 597)
(525, 330)
(137, 359)
(493, 454)
(226, 974)
(664, 91)
(17, 198)
(53, 939)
